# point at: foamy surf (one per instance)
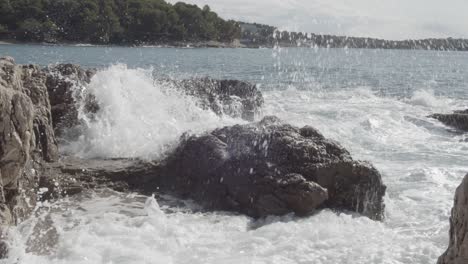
(139, 116)
(421, 163)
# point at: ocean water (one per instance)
(374, 102)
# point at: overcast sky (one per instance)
(390, 19)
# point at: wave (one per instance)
(427, 98)
(139, 116)
(122, 228)
(86, 45)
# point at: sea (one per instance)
(375, 103)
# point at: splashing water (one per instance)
(428, 99)
(138, 116)
(421, 162)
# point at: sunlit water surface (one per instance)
(374, 102)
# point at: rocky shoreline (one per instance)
(258, 169)
(261, 168)
(457, 251)
(457, 119)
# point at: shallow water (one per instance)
(374, 103)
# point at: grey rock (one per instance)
(270, 168)
(66, 87)
(260, 169)
(457, 119)
(26, 133)
(457, 252)
(26, 138)
(232, 98)
(3, 248)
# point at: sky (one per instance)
(389, 19)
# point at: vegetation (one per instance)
(112, 21)
(256, 35)
(158, 22)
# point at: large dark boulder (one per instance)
(270, 168)
(457, 252)
(260, 169)
(457, 119)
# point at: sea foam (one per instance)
(139, 116)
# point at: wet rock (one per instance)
(26, 133)
(3, 248)
(270, 168)
(26, 138)
(260, 169)
(458, 119)
(66, 87)
(457, 252)
(70, 176)
(233, 98)
(66, 84)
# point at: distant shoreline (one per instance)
(216, 44)
(201, 44)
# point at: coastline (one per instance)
(201, 44)
(216, 44)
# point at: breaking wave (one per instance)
(139, 116)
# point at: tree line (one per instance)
(255, 35)
(112, 22)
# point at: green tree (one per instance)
(6, 14)
(3, 29)
(113, 21)
(30, 29)
(108, 24)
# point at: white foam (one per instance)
(138, 116)
(118, 230)
(420, 163)
(428, 99)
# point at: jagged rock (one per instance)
(71, 175)
(458, 119)
(233, 98)
(65, 84)
(26, 138)
(270, 168)
(457, 252)
(260, 169)
(26, 134)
